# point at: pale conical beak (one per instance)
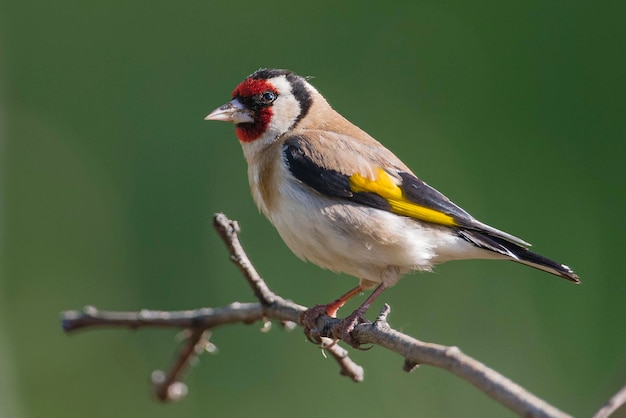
(233, 111)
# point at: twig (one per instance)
(347, 367)
(273, 307)
(228, 230)
(205, 318)
(200, 320)
(167, 385)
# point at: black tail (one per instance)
(518, 253)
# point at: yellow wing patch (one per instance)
(385, 187)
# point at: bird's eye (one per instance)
(268, 97)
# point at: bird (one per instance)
(341, 200)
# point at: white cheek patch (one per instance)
(285, 109)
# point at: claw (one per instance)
(341, 330)
(344, 329)
(309, 319)
(331, 345)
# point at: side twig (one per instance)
(167, 385)
(228, 230)
(199, 323)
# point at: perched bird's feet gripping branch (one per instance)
(340, 330)
(309, 319)
(343, 201)
(343, 330)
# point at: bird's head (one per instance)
(266, 104)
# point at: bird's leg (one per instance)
(333, 307)
(343, 329)
(310, 316)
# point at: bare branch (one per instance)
(167, 385)
(273, 307)
(452, 359)
(205, 318)
(348, 367)
(228, 231)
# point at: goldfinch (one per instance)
(343, 201)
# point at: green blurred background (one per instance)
(110, 177)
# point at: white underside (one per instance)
(371, 244)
